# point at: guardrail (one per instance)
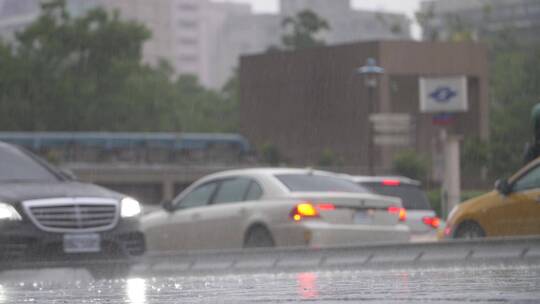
(524, 250)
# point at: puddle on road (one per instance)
(447, 285)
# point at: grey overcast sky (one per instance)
(401, 6)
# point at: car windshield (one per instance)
(411, 196)
(16, 166)
(318, 183)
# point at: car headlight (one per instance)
(129, 207)
(7, 212)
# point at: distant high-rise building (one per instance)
(482, 18)
(184, 32)
(250, 34)
(16, 15)
(205, 38)
(351, 25)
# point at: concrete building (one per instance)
(184, 32)
(483, 17)
(351, 25)
(251, 34)
(16, 15)
(206, 38)
(311, 101)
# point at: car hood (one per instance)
(18, 192)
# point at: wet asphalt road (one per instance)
(495, 283)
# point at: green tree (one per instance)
(270, 155)
(515, 91)
(329, 159)
(410, 164)
(85, 73)
(303, 30)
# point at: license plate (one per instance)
(82, 243)
(362, 217)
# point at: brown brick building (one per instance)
(305, 102)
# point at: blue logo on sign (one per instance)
(443, 94)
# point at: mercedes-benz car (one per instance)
(47, 215)
(267, 207)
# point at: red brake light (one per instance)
(447, 231)
(401, 212)
(304, 210)
(433, 222)
(326, 207)
(391, 183)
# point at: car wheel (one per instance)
(469, 230)
(258, 237)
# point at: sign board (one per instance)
(392, 140)
(443, 95)
(391, 122)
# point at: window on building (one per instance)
(188, 24)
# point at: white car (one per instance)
(421, 218)
(273, 207)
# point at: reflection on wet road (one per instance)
(447, 285)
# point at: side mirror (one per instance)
(503, 186)
(167, 205)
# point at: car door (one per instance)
(220, 225)
(519, 212)
(180, 229)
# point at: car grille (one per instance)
(73, 215)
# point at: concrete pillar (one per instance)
(384, 106)
(168, 190)
(452, 174)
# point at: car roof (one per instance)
(269, 171)
(5, 145)
(378, 179)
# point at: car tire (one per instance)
(469, 230)
(258, 237)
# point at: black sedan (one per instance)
(46, 215)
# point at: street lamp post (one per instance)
(370, 71)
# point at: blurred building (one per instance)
(250, 34)
(311, 103)
(184, 32)
(483, 18)
(16, 15)
(351, 25)
(206, 38)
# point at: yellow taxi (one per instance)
(512, 209)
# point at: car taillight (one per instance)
(391, 183)
(433, 222)
(304, 210)
(400, 212)
(326, 207)
(448, 231)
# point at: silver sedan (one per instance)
(274, 207)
